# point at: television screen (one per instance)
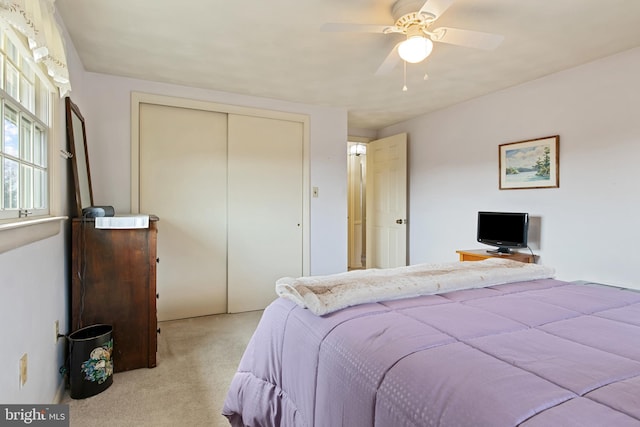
(504, 230)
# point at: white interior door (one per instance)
(265, 208)
(183, 180)
(386, 196)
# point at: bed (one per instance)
(509, 349)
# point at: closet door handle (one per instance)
(401, 221)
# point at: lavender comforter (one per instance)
(536, 353)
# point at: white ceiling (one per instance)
(275, 48)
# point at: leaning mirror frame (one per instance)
(77, 140)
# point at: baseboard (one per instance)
(59, 396)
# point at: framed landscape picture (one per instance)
(530, 164)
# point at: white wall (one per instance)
(32, 296)
(108, 116)
(589, 226)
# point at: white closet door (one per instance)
(265, 179)
(183, 180)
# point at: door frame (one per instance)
(138, 98)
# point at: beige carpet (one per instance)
(196, 361)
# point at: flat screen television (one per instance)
(504, 230)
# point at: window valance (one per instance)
(35, 19)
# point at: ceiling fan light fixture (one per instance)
(415, 48)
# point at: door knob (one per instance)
(401, 221)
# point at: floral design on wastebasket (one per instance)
(100, 365)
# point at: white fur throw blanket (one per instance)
(325, 294)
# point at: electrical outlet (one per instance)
(23, 370)
(56, 328)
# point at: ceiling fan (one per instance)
(414, 19)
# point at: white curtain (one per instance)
(36, 20)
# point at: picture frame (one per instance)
(533, 163)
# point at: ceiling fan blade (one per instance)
(389, 62)
(466, 38)
(435, 7)
(337, 27)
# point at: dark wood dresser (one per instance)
(114, 282)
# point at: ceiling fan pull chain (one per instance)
(404, 88)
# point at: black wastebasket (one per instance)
(91, 362)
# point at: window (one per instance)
(26, 97)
